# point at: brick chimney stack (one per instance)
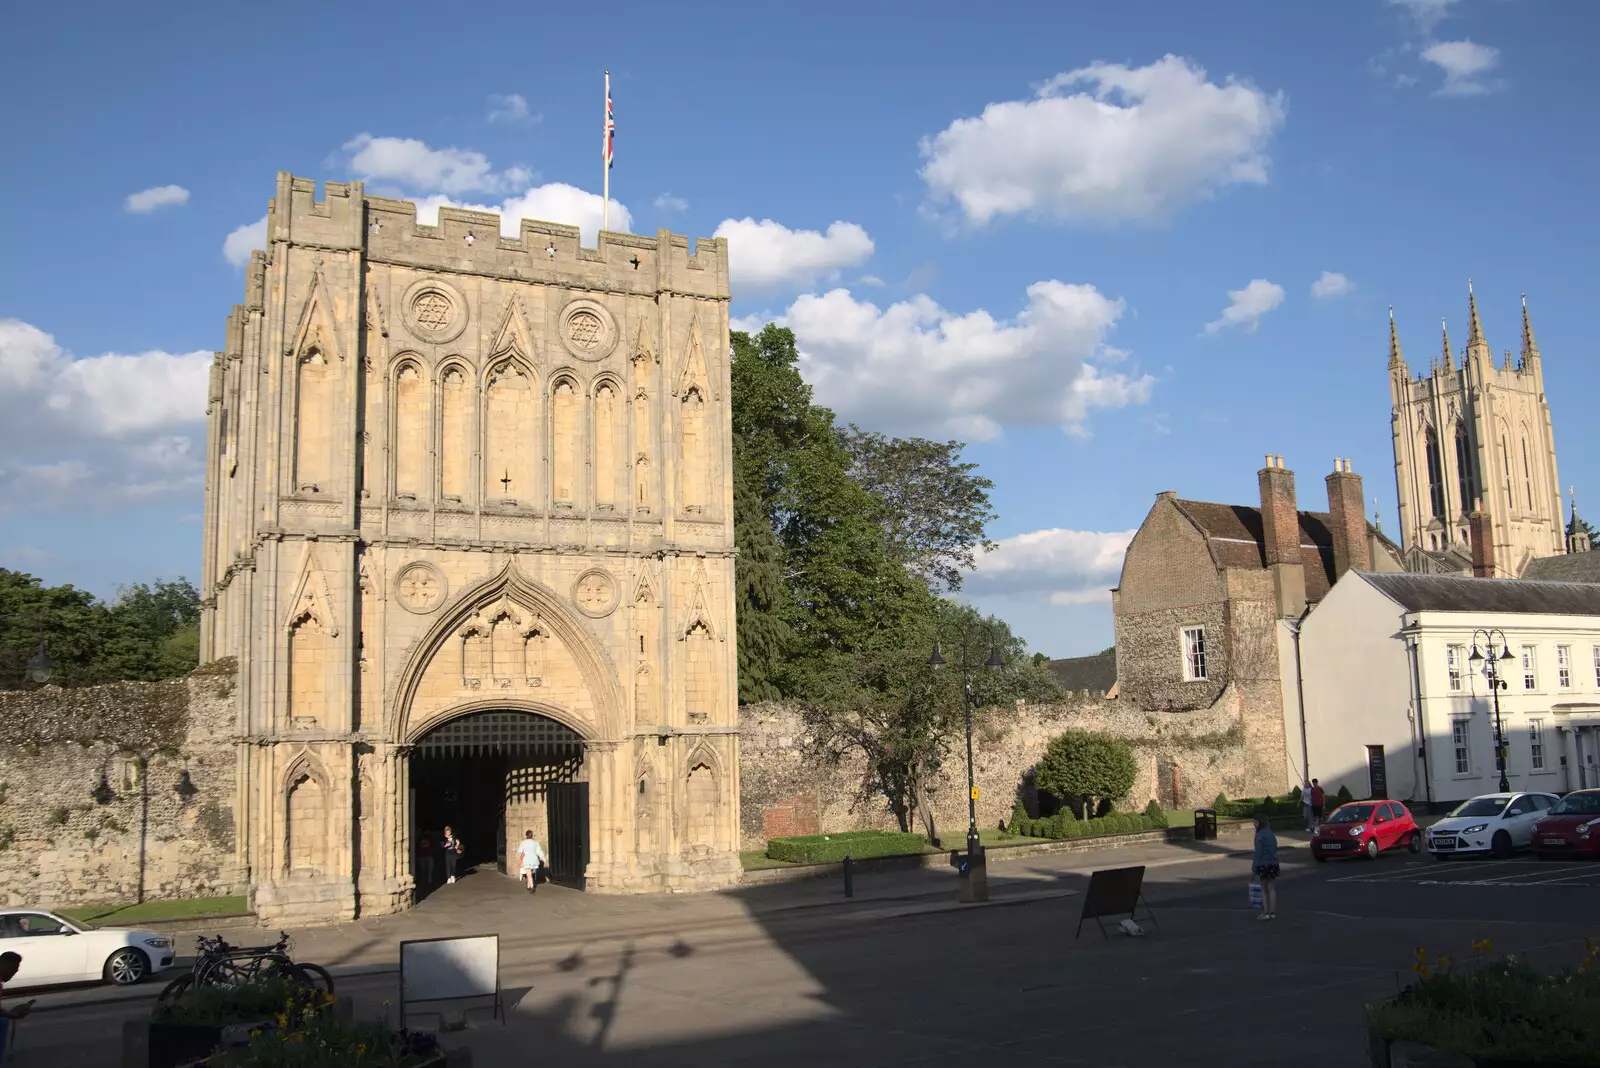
(1347, 520)
(1280, 536)
(1480, 532)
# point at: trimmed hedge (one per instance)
(822, 848)
(1064, 825)
(1246, 807)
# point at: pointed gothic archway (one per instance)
(511, 712)
(491, 775)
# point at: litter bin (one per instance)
(1205, 824)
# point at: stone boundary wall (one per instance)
(1184, 759)
(60, 846)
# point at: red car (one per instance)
(1365, 829)
(1572, 828)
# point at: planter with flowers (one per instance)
(1490, 1012)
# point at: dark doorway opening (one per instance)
(491, 776)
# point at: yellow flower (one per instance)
(1443, 961)
(1482, 945)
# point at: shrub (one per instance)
(1501, 1009)
(1019, 817)
(822, 848)
(1154, 815)
(1344, 795)
(219, 1006)
(1082, 764)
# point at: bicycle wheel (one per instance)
(224, 973)
(314, 975)
(175, 989)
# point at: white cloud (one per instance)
(769, 255)
(1331, 284)
(1057, 566)
(1248, 306)
(1464, 64)
(668, 203)
(510, 108)
(919, 368)
(236, 248)
(1427, 13)
(96, 431)
(414, 165)
(160, 196)
(1130, 143)
(554, 202)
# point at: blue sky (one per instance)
(1025, 228)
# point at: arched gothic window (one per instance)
(1466, 482)
(1435, 477)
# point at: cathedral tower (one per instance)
(1471, 431)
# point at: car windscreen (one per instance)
(1351, 814)
(1481, 806)
(1578, 805)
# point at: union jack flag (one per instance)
(609, 146)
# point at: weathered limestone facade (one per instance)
(450, 473)
(1471, 431)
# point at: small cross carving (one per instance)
(506, 482)
(550, 250)
(635, 262)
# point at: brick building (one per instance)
(1209, 597)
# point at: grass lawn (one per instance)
(181, 909)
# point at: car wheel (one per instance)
(126, 967)
(1319, 858)
(1500, 845)
(1415, 843)
(1372, 849)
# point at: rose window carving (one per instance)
(432, 311)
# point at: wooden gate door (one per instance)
(568, 806)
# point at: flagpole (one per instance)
(605, 161)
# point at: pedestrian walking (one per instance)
(531, 855)
(9, 963)
(1264, 863)
(1317, 799)
(425, 860)
(1305, 804)
(452, 853)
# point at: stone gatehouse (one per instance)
(469, 534)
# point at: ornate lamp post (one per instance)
(41, 668)
(1490, 657)
(973, 867)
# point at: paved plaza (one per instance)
(902, 975)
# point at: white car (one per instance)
(1498, 824)
(54, 949)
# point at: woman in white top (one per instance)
(531, 854)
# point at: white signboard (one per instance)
(442, 969)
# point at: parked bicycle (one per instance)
(220, 964)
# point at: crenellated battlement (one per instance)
(472, 242)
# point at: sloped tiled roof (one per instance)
(1568, 567)
(1457, 593)
(1097, 673)
(1235, 535)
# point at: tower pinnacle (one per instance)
(1477, 347)
(1448, 358)
(1395, 357)
(1530, 347)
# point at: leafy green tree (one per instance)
(70, 622)
(153, 632)
(150, 632)
(1083, 766)
(906, 717)
(934, 506)
(842, 593)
